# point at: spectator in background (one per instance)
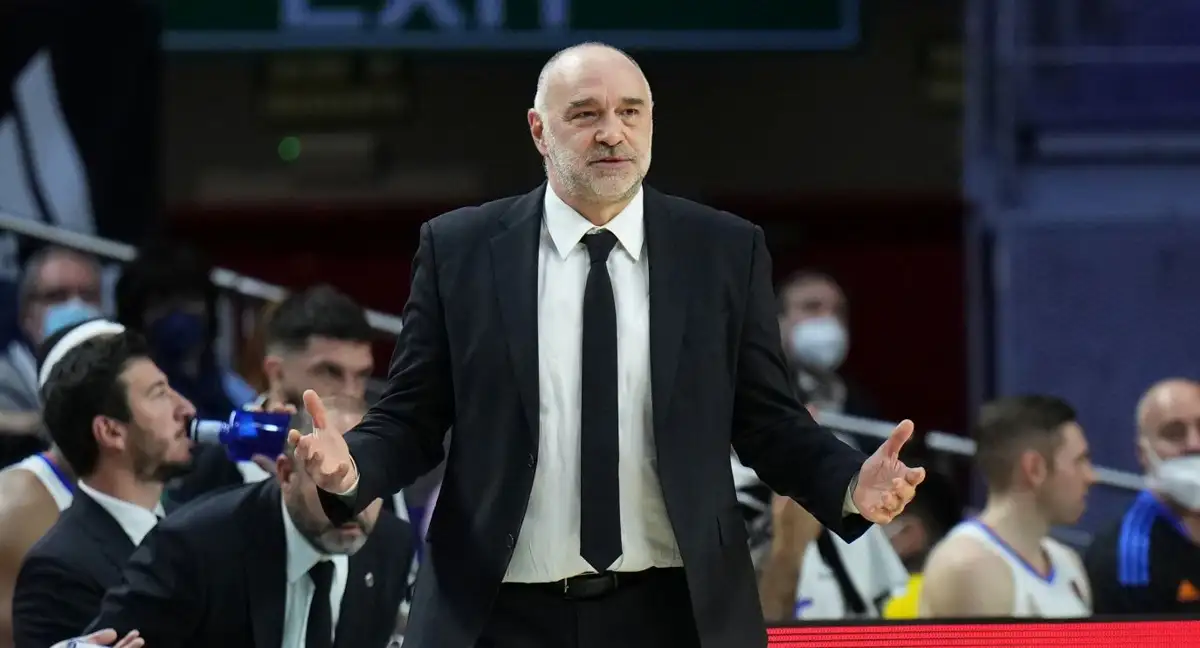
(1034, 457)
(168, 296)
(1149, 561)
(925, 521)
(813, 314)
(318, 339)
(59, 287)
(123, 429)
(37, 489)
(806, 572)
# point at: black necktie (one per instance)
(320, 613)
(600, 506)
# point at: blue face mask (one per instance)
(177, 334)
(63, 314)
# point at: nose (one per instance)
(185, 410)
(611, 132)
(1191, 442)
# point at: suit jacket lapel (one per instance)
(114, 543)
(357, 603)
(515, 265)
(669, 256)
(266, 566)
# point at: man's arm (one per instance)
(401, 436)
(27, 511)
(52, 601)
(772, 433)
(963, 579)
(1109, 596)
(161, 594)
(793, 529)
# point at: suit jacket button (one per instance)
(511, 541)
(532, 461)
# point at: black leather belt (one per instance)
(590, 586)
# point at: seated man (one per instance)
(123, 429)
(59, 287)
(1035, 460)
(316, 339)
(1148, 562)
(37, 489)
(261, 565)
(34, 491)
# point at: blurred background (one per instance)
(1001, 193)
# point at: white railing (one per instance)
(249, 287)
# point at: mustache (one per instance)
(607, 153)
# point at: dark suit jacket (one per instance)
(468, 355)
(213, 573)
(64, 575)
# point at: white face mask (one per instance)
(1177, 479)
(820, 343)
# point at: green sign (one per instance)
(681, 25)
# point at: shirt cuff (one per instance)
(848, 506)
(349, 494)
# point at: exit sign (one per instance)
(531, 25)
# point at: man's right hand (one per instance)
(323, 454)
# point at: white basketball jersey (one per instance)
(41, 468)
(1059, 595)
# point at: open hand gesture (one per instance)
(323, 454)
(885, 485)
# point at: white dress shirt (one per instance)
(301, 557)
(135, 520)
(548, 547)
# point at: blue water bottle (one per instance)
(246, 433)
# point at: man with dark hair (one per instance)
(123, 429)
(261, 565)
(37, 489)
(317, 339)
(1034, 456)
(166, 294)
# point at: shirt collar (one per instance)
(137, 522)
(301, 554)
(567, 227)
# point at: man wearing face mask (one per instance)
(1149, 561)
(812, 320)
(59, 287)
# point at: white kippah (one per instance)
(74, 338)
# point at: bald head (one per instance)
(591, 122)
(1168, 418)
(569, 64)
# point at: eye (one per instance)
(586, 114)
(631, 112)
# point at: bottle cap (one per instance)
(206, 431)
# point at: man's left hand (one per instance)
(106, 638)
(885, 485)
